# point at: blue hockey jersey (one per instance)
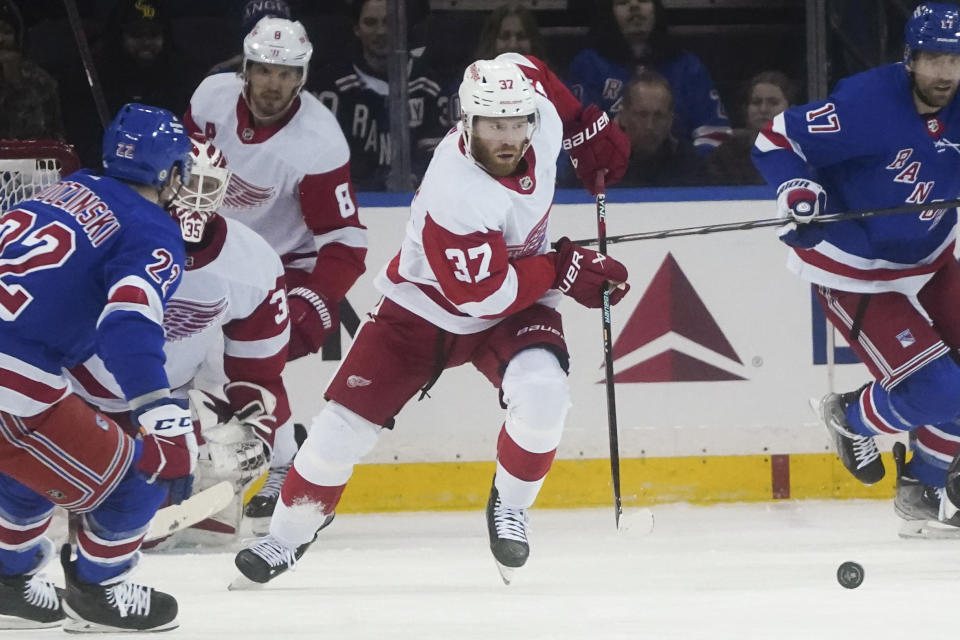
(869, 148)
(86, 266)
(700, 116)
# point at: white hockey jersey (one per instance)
(469, 224)
(232, 293)
(291, 181)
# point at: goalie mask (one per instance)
(200, 197)
(496, 89)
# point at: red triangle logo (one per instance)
(670, 304)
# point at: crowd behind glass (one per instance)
(691, 118)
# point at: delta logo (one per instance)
(671, 336)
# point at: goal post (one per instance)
(27, 166)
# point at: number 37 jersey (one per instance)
(86, 266)
(467, 229)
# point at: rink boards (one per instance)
(717, 351)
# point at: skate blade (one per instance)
(243, 583)
(928, 530)
(506, 573)
(8, 623)
(75, 624)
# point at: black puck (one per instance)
(850, 575)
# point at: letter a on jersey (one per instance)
(672, 337)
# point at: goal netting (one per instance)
(27, 166)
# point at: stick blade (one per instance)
(197, 507)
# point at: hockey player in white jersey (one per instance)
(475, 281)
(291, 184)
(232, 292)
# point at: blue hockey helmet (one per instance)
(934, 26)
(142, 143)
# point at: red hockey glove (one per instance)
(169, 452)
(597, 145)
(583, 273)
(252, 406)
(312, 319)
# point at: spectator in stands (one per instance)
(657, 157)
(510, 28)
(29, 100)
(629, 36)
(250, 14)
(769, 94)
(139, 62)
(355, 89)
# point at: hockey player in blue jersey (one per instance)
(86, 266)
(890, 285)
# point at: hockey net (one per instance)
(27, 166)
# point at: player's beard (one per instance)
(931, 101)
(496, 166)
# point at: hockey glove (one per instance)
(253, 406)
(800, 201)
(596, 144)
(583, 274)
(169, 452)
(312, 319)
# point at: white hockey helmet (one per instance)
(496, 89)
(278, 41)
(200, 197)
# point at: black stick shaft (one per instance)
(84, 47)
(767, 222)
(608, 358)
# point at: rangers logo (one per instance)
(905, 338)
(55, 494)
(933, 125)
(526, 182)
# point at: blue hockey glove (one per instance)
(799, 202)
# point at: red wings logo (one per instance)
(244, 195)
(185, 318)
(531, 246)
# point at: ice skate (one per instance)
(30, 600)
(261, 506)
(924, 509)
(859, 454)
(116, 605)
(266, 558)
(507, 527)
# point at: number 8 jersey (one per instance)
(291, 181)
(467, 258)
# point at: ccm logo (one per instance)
(572, 272)
(170, 423)
(582, 136)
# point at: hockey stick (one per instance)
(197, 507)
(608, 357)
(767, 222)
(84, 47)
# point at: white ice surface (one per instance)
(758, 571)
